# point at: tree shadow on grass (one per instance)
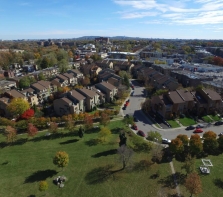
(116, 130)
(180, 177)
(32, 195)
(168, 181)
(218, 182)
(99, 175)
(105, 153)
(40, 175)
(142, 165)
(69, 141)
(55, 136)
(93, 142)
(16, 143)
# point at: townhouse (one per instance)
(108, 89)
(174, 103)
(71, 102)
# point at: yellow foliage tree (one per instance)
(18, 106)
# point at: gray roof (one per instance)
(76, 95)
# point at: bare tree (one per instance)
(157, 153)
(125, 155)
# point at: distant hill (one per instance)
(111, 38)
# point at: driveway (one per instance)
(145, 124)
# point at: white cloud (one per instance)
(191, 12)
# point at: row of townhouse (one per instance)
(174, 103)
(155, 78)
(84, 99)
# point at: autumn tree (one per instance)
(10, 134)
(61, 159)
(43, 186)
(88, 122)
(209, 135)
(196, 145)
(105, 119)
(53, 127)
(104, 132)
(18, 106)
(154, 136)
(193, 184)
(184, 139)
(210, 145)
(31, 130)
(157, 153)
(85, 81)
(189, 164)
(28, 114)
(176, 146)
(69, 125)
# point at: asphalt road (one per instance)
(145, 124)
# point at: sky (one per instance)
(170, 19)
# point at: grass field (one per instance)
(173, 123)
(26, 163)
(212, 184)
(207, 119)
(187, 121)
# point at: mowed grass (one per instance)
(207, 119)
(26, 163)
(215, 118)
(212, 184)
(187, 121)
(173, 123)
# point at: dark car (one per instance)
(141, 133)
(124, 108)
(218, 123)
(191, 127)
(199, 126)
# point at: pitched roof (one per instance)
(30, 90)
(44, 83)
(68, 75)
(107, 85)
(87, 92)
(38, 86)
(66, 100)
(185, 94)
(175, 97)
(4, 99)
(212, 94)
(15, 94)
(76, 95)
(62, 77)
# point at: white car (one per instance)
(166, 141)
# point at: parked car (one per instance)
(220, 134)
(141, 133)
(166, 141)
(199, 126)
(134, 126)
(198, 130)
(191, 127)
(218, 123)
(124, 108)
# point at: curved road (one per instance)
(145, 124)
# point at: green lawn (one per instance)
(215, 118)
(187, 121)
(26, 163)
(212, 184)
(173, 123)
(207, 119)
